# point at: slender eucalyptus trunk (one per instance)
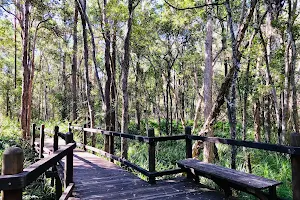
(90, 102)
(74, 64)
(26, 73)
(208, 151)
(125, 71)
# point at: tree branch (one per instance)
(194, 7)
(7, 11)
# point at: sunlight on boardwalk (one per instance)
(97, 178)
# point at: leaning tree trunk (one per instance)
(223, 92)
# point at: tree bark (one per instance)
(125, 71)
(269, 81)
(257, 124)
(138, 82)
(74, 64)
(208, 150)
(223, 92)
(26, 73)
(86, 67)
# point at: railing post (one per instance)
(295, 160)
(58, 185)
(188, 142)
(55, 138)
(69, 127)
(33, 136)
(151, 156)
(84, 138)
(69, 162)
(111, 146)
(42, 141)
(13, 159)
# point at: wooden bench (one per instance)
(229, 178)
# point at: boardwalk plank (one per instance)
(97, 178)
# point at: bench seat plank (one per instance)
(230, 175)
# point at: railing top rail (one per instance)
(31, 173)
(113, 133)
(249, 144)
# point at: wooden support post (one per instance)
(69, 127)
(58, 187)
(55, 138)
(295, 159)
(55, 148)
(151, 157)
(69, 162)
(33, 136)
(111, 146)
(188, 142)
(188, 147)
(84, 138)
(42, 141)
(12, 163)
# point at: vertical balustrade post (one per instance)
(58, 185)
(33, 136)
(69, 162)
(42, 141)
(111, 146)
(151, 155)
(12, 163)
(295, 161)
(84, 138)
(188, 142)
(69, 127)
(55, 138)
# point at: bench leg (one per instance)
(225, 187)
(272, 192)
(191, 175)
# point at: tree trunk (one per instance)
(138, 94)
(64, 89)
(223, 92)
(113, 83)
(108, 83)
(208, 151)
(269, 81)
(46, 114)
(74, 65)
(125, 71)
(257, 124)
(294, 89)
(267, 117)
(86, 67)
(26, 73)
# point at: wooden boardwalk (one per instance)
(97, 178)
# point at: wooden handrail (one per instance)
(255, 145)
(31, 173)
